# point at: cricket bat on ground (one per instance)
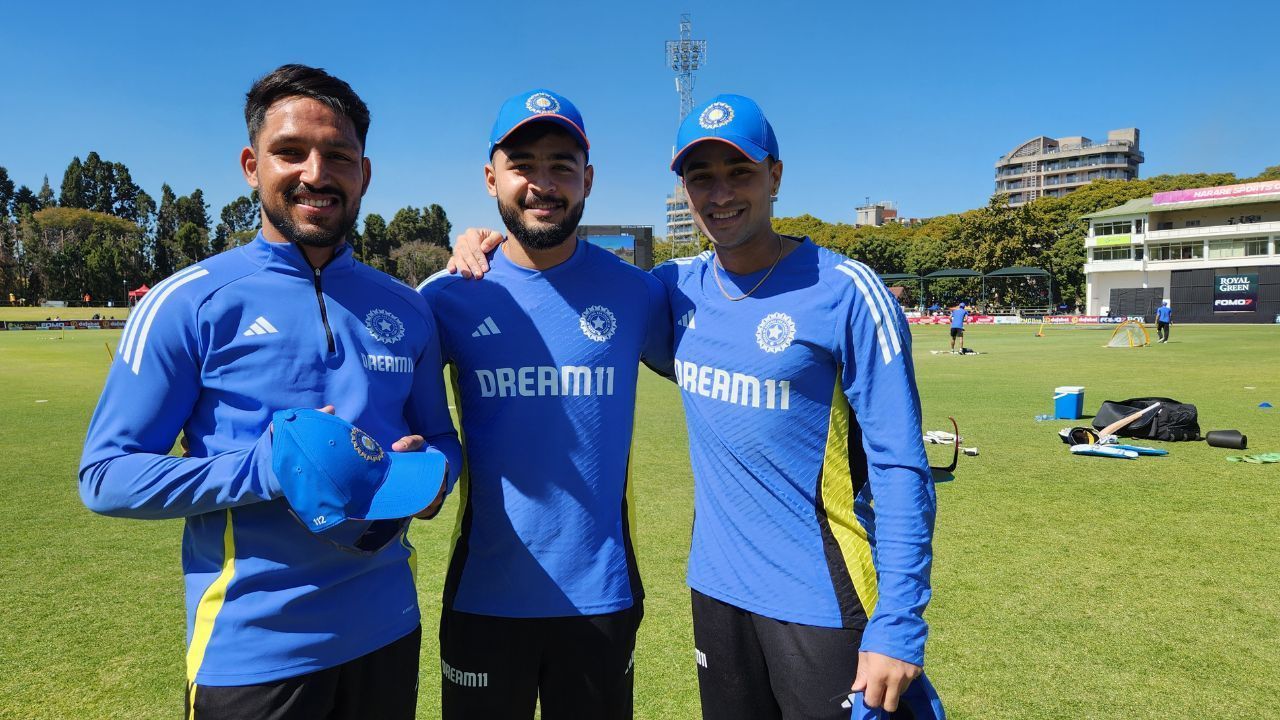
(1107, 433)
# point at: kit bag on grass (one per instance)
(1171, 421)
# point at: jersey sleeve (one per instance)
(658, 353)
(874, 346)
(427, 409)
(153, 384)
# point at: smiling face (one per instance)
(729, 194)
(308, 165)
(541, 179)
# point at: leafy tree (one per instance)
(416, 261)
(165, 237)
(45, 196)
(26, 200)
(239, 217)
(373, 246)
(72, 194)
(6, 193)
(438, 226)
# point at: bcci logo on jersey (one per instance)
(775, 332)
(383, 326)
(598, 323)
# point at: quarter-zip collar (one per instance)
(287, 258)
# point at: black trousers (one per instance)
(496, 668)
(382, 684)
(1162, 330)
(751, 667)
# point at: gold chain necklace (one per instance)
(715, 269)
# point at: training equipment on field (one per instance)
(1172, 422)
(1129, 334)
(1256, 459)
(1227, 439)
(1141, 450)
(1107, 433)
(944, 474)
(1104, 451)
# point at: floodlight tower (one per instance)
(684, 56)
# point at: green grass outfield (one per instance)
(1065, 587)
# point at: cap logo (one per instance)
(716, 115)
(366, 447)
(542, 103)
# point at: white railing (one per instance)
(1261, 228)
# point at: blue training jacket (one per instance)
(212, 352)
(546, 366)
(813, 498)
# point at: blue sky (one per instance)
(908, 101)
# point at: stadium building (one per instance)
(1053, 167)
(1213, 253)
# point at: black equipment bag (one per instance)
(1172, 421)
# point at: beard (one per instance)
(540, 236)
(280, 217)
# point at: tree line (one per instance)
(1047, 232)
(102, 235)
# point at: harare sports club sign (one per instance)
(1235, 293)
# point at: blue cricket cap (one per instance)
(333, 473)
(731, 119)
(920, 699)
(535, 105)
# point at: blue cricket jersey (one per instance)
(802, 408)
(1164, 313)
(212, 352)
(957, 317)
(545, 366)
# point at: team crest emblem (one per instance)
(598, 323)
(366, 447)
(775, 332)
(716, 115)
(383, 326)
(542, 103)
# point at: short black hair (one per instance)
(302, 81)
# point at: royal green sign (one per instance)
(1111, 240)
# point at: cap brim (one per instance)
(578, 133)
(741, 144)
(412, 484)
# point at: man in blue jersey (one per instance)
(543, 597)
(282, 622)
(1164, 316)
(795, 367)
(957, 326)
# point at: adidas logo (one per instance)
(687, 321)
(261, 327)
(488, 327)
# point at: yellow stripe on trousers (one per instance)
(837, 500)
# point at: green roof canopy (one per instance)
(953, 273)
(1019, 272)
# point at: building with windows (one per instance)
(1211, 252)
(1053, 167)
(876, 214)
(680, 227)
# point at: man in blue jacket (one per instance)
(281, 622)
